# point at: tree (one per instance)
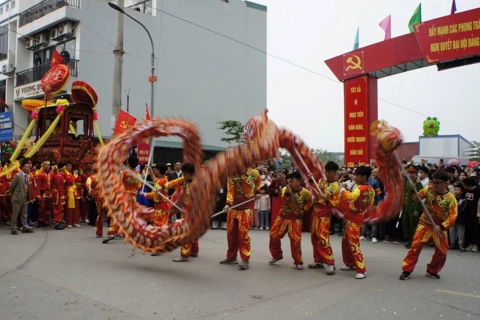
(233, 130)
(325, 156)
(287, 161)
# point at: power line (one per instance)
(290, 62)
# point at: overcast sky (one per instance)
(308, 32)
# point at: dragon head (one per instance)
(255, 126)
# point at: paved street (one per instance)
(71, 275)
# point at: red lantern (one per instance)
(55, 80)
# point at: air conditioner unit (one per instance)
(30, 43)
(42, 38)
(8, 70)
(65, 29)
(54, 35)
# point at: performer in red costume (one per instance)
(44, 194)
(72, 217)
(79, 186)
(322, 210)
(296, 200)
(275, 190)
(32, 179)
(360, 199)
(241, 187)
(132, 184)
(58, 196)
(188, 171)
(5, 196)
(160, 205)
(443, 209)
(95, 192)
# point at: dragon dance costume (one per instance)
(290, 221)
(189, 249)
(71, 216)
(320, 222)
(160, 205)
(132, 184)
(44, 193)
(443, 209)
(240, 188)
(360, 199)
(5, 196)
(58, 196)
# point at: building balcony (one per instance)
(43, 8)
(36, 73)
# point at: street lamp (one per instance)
(152, 78)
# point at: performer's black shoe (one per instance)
(229, 261)
(14, 232)
(108, 238)
(27, 230)
(433, 275)
(316, 265)
(405, 275)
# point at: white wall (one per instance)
(439, 146)
(203, 77)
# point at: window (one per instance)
(1, 10)
(6, 8)
(12, 5)
(3, 42)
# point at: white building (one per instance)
(209, 56)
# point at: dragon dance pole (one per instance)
(308, 171)
(233, 207)
(151, 186)
(415, 190)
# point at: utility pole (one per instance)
(117, 67)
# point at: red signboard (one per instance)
(152, 79)
(359, 94)
(450, 37)
(353, 63)
(144, 151)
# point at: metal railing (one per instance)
(44, 8)
(37, 73)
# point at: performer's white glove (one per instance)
(342, 190)
(226, 208)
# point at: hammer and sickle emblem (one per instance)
(123, 124)
(354, 64)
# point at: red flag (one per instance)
(3, 104)
(147, 114)
(56, 58)
(124, 121)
